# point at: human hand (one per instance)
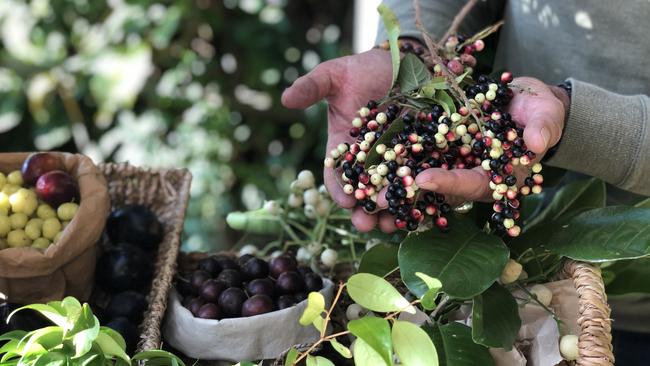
(540, 108)
(346, 83)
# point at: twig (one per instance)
(436, 59)
(458, 20)
(440, 306)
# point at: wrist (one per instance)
(563, 95)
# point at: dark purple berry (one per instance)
(290, 282)
(231, 301)
(256, 305)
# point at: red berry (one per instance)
(455, 67)
(441, 222)
(400, 224)
(506, 77)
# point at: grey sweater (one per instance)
(602, 47)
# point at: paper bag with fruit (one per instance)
(53, 207)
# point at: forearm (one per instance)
(437, 16)
(607, 135)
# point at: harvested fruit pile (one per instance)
(36, 203)
(438, 116)
(125, 270)
(222, 287)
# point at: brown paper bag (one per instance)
(67, 267)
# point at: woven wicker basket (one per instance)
(595, 341)
(166, 192)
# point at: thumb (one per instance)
(541, 133)
(316, 85)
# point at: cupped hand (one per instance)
(347, 84)
(539, 108)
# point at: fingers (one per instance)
(335, 190)
(467, 184)
(382, 203)
(310, 88)
(362, 221)
(542, 131)
(386, 222)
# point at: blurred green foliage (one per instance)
(191, 84)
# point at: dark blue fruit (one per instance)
(261, 286)
(124, 268)
(290, 283)
(231, 301)
(135, 224)
(286, 301)
(313, 282)
(256, 305)
(209, 311)
(231, 277)
(255, 268)
(211, 289)
(128, 304)
(210, 265)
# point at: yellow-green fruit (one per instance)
(21, 201)
(18, 239)
(41, 243)
(45, 211)
(3, 179)
(15, 178)
(67, 211)
(3, 242)
(10, 189)
(18, 220)
(5, 225)
(51, 227)
(64, 224)
(4, 202)
(33, 228)
(57, 237)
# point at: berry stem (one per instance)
(458, 20)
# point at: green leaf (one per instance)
(455, 346)
(445, 101)
(364, 355)
(117, 337)
(466, 261)
(110, 347)
(571, 200)
(413, 74)
(319, 323)
(291, 357)
(85, 331)
(375, 332)
(376, 294)
(158, 354)
(643, 204)
(604, 234)
(373, 158)
(341, 349)
(392, 28)
(48, 337)
(47, 311)
(436, 83)
(429, 297)
(462, 76)
(13, 335)
(412, 345)
(51, 359)
(379, 260)
(315, 306)
(495, 318)
(629, 277)
(318, 361)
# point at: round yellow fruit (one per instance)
(33, 228)
(15, 178)
(64, 224)
(4, 201)
(18, 220)
(10, 189)
(5, 226)
(67, 211)
(41, 243)
(45, 211)
(3, 179)
(57, 237)
(18, 239)
(18, 200)
(51, 227)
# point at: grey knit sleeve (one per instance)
(437, 16)
(607, 135)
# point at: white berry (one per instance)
(272, 207)
(354, 311)
(329, 257)
(543, 294)
(305, 179)
(248, 249)
(294, 200)
(569, 347)
(303, 255)
(311, 196)
(511, 272)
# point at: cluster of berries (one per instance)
(396, 139)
